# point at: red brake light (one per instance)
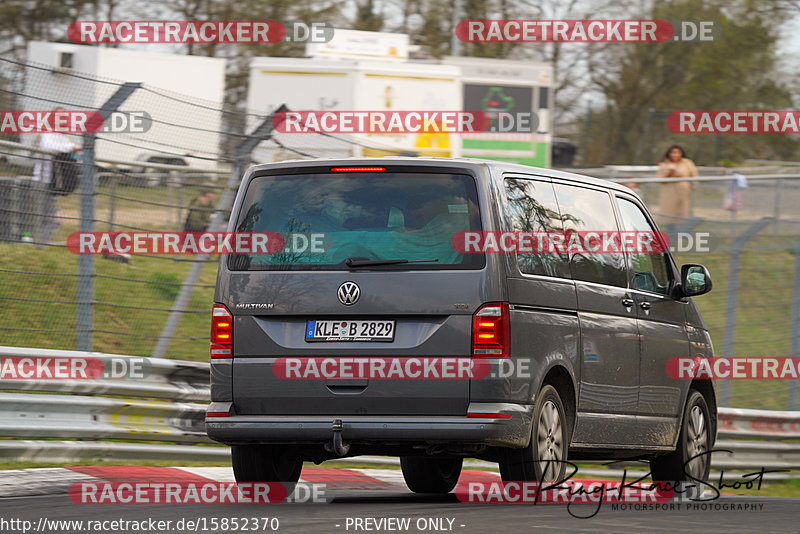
(482, 415)
(221, 332)
(490, 331)
(358, 169)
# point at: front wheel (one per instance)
(690, 459)
(545, 456)
(265, 463)
(430, 475)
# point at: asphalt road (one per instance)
(765, 514)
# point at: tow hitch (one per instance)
(338, 447)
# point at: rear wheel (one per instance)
(265, 463)
(545, 456)
(688, 460)
(430, 475)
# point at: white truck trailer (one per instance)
(306, 84)
(173, 83)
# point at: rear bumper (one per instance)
(316, 429)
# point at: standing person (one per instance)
(675, 202)
(49, 214)
(200, 210)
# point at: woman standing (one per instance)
(676, 196)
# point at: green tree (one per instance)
(367, 18)
(436, 30)
(736, 72)
(36, 20)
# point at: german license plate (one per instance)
(350, 330)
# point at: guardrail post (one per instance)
(729, 343)
(241, 155)
(795, 325)
(88, 190)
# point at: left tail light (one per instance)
(221, 332)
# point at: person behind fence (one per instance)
(200, 210)
(53, 175)
(675, 201)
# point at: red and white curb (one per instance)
(57, 480)
(50, 481)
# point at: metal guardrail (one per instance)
(171, 380)
(759, 424)
(80, 417)
(54, 451)
(98, 410)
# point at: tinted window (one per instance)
(650, 270)
(410, 216)
(589, 210)
(532, 207)
(544, 93)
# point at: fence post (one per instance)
(778, 194)
(795, 325)
(176, 183)
(112, 201)
(675, 231)
(88, 189)
(241, 156)
(729, 342)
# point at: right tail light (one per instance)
(490, 331)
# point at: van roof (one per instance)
(501, 166)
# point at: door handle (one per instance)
(645, 305)
(627, 302)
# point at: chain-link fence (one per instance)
(183, 173)
(129, 182)
(179, 174)
(747, 232)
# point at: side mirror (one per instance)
(695, 280)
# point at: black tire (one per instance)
(545, 456)
(695, 438)
(430, 475)
(265, 463)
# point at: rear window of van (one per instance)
(326, 219)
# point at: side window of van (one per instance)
(590, 210)
(650, 269)
(533, 208)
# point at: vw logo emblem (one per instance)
(349, 293)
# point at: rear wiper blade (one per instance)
(364, 262)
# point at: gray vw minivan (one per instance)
(577, 344)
